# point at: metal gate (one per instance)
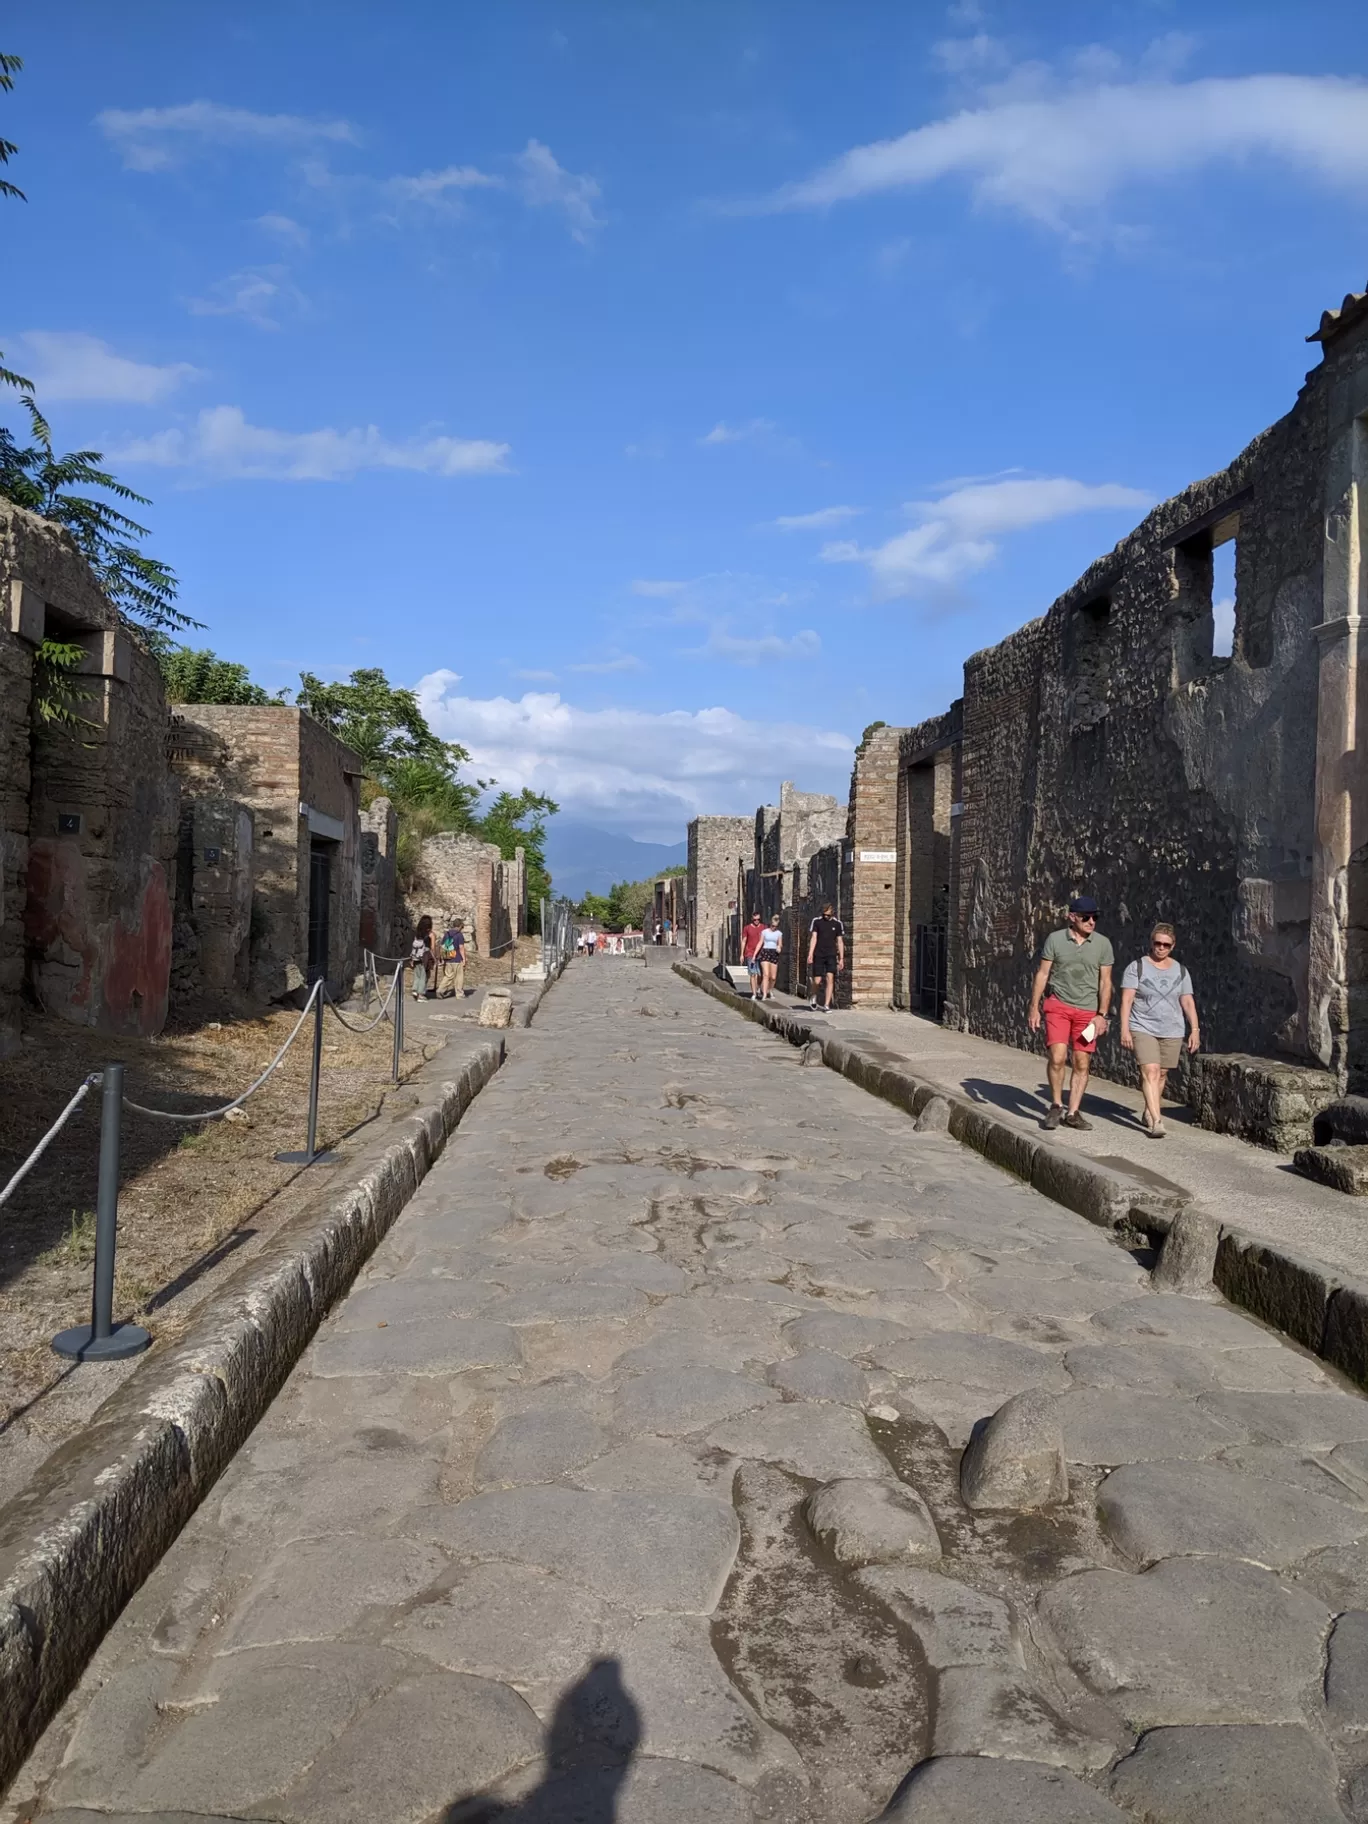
(928, 988)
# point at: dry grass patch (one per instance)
(191, 1196)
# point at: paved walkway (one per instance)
(1248, 1186)
(533, 1531)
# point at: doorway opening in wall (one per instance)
(929, 970)
(320, 890)
(1223, 590)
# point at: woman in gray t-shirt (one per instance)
(1157, 1004)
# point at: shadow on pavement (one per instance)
(594, 1733)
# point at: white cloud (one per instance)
(624, 661)
(957, 534)
(285, 228)
(740, 433)
(818, 521)
(743, 649)
(545, 184)
(630, 768)
(151, 139)
(1056, 155)
(221, 444)
(438, 186)
(256, 294)
(67, 364)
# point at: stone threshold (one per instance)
(97, 1516)
(1309, 1301)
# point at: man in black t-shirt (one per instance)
(826, 956)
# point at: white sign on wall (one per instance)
(878, 854)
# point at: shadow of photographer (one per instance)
(594, 1734)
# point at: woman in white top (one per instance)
(771, 949)
(1157, 1001)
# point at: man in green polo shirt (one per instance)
(1074, 977)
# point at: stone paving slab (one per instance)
(625, 1486)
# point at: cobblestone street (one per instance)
(624, 1488)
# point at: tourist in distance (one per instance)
(424, 959)
(1076, 968)
(451, 960)
(825, 957)
(667, 931)
(771, 949)
(590, 942)
(1157, 1003)
(751, 934)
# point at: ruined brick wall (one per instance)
(45, 587)
(87, 815)
(925, 813)
(717, 848)
(872, 834)
(301, 785)
(808, 821)
(379, 833)
(455, 879)
(103, 819)
(1106, 750)
(330, 785)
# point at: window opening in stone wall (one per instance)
(1223, 589)
(1088, 660)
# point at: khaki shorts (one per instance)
(1149, 1050)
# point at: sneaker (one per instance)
(812, 1006)
(1077, 1121)
(1054, 1117)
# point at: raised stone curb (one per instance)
(524, 1010)
(1305, 1299)
(99, 1514)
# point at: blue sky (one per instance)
(671, 390)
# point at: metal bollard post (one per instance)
(398, 1016)
(101, 1340)
(309, 1156)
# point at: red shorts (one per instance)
(1064, 1024)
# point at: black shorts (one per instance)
(823, 964)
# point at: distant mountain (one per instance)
(585, 859)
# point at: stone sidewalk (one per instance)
(1245, 1186)
(624, 1489)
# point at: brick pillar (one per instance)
(873, 829)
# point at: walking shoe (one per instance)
(1077, 1121)
(1054, 1117)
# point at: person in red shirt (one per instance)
(750, 951)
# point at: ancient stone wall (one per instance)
(808, 821)
(302, 787)
(379, 834)
(87, 814)
(924, 873)
(103, 817)
(718, 847)
(455, 878)
(1107, 750)
(872, 834)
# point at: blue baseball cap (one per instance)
(1084, 906)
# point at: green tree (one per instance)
(380, 721)
(517, 820)
(192, 676)
(421, 774)
(629, 900)
(595, 906)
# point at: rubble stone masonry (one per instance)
(1109, 747)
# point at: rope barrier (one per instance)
(49, 1137)
(371, 1026)
(213, 1114)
